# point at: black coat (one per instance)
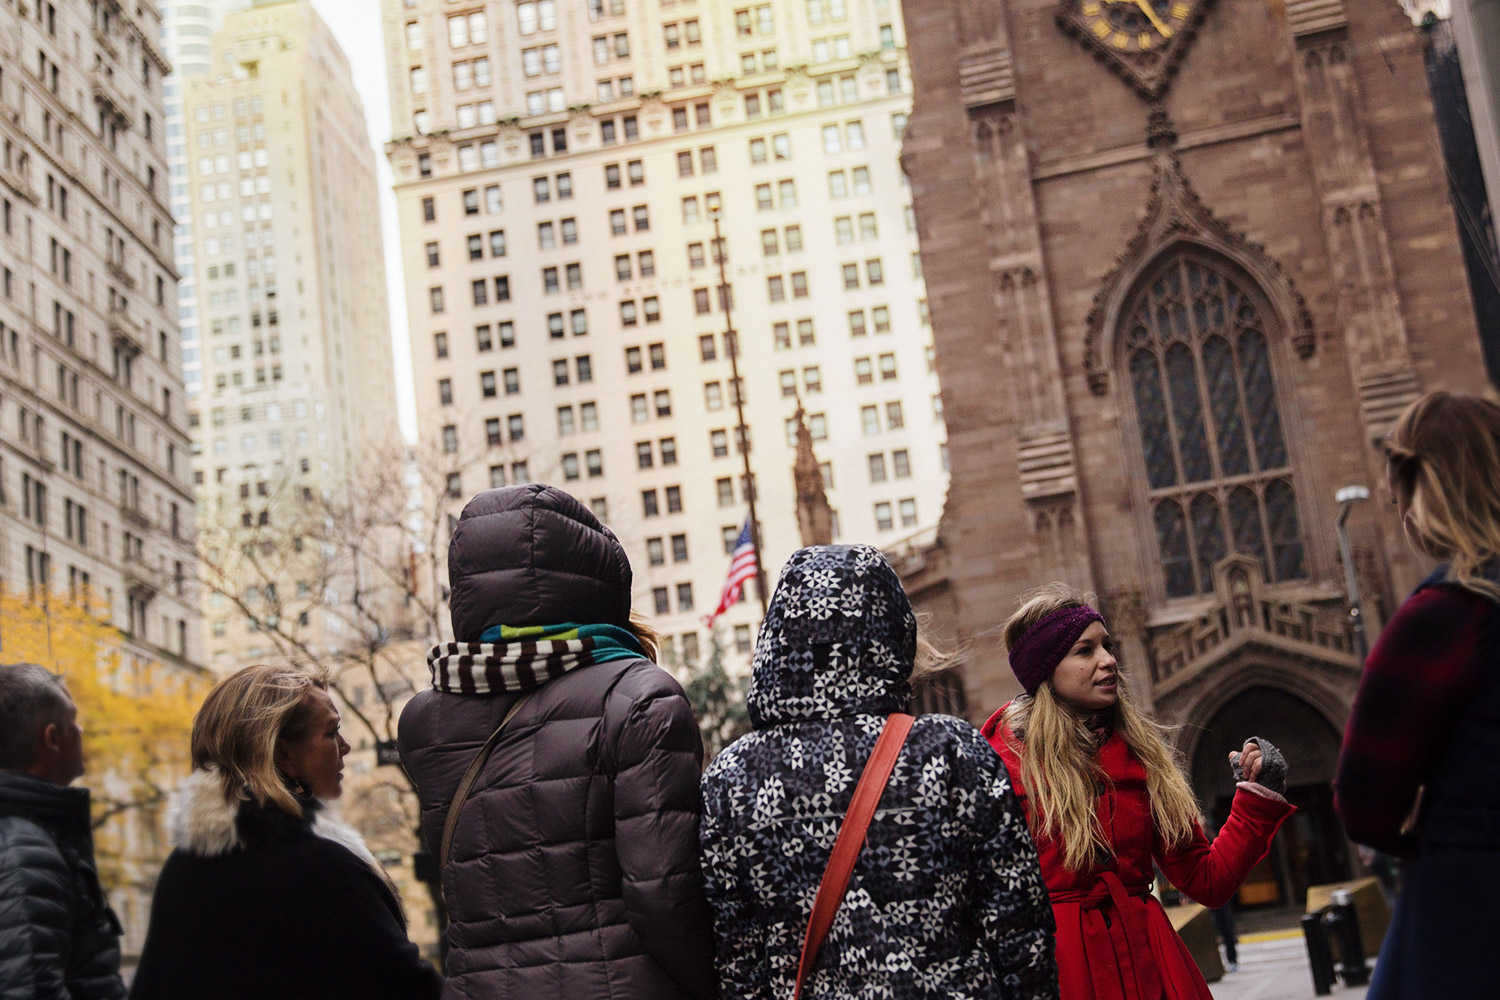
(946, 900)
(574, 869)
(254, 903)
(59, 940)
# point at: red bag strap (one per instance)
(850, 839)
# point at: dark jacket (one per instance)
(574, 868)
(1427, 716)
(254, 903)
(59, 940)
(946, 899)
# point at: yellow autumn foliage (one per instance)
(136, 713)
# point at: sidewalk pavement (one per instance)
(1274, 967)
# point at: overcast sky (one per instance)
(356, 23)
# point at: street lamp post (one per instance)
(1346, 498)
(732, 348)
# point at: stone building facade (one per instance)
(1186, 263)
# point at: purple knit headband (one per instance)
(1042, 647)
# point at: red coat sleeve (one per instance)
(1212, 873)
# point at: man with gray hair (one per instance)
(59, 940)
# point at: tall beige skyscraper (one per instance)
(296, 385)
(94, 492)
(95, 499)
(93, 447)
(557, 166)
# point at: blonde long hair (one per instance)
(1444, 453)
(1057, 753)
(645, 633)
(243, 720)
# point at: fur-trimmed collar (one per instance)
(203, 821)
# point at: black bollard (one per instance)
(1319, 959)
(1343, 927)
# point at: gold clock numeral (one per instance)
(1181, 10)
(1143, 41)
(1120, 40)
(1091, 8)
(1101, 29)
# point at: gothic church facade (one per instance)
(1186, 262)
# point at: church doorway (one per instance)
(1311, 848)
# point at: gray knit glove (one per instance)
(1272, 766)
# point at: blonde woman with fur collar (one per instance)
(267, 893)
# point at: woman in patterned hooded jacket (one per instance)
(946, 898)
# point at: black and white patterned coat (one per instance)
(946, 900)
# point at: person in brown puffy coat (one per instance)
(573, 869)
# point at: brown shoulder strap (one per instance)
(850, 839)
(472, 775)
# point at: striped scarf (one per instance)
(508, 659)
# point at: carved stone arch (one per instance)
(1218, 688)
(1175, 219)
(1296, 724)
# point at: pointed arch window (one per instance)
(1217, 469)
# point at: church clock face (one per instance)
(1136, 25)
(1141, 40)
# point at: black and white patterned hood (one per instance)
(838, 640)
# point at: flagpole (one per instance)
(732, 346)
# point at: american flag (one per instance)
(742, 566)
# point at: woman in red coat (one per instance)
(1105, 797)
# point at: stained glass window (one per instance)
(1161, 468)
(1246, 527)
(1171, 533)
(1216, 460)
(1286, 537)
(1224, 397)
(1208, 532)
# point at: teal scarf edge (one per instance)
(601, 643)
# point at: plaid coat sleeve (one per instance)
(1424, 667)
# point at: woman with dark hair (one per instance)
(266, 893)
(1416, 777)
(557, 767)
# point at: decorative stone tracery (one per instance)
(1176, 215)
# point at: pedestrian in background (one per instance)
(1105, 797)
(1416, 778)
(557, 768)
(59, 940)
(266, 893)
(945, 899)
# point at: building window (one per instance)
(1199, 364)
